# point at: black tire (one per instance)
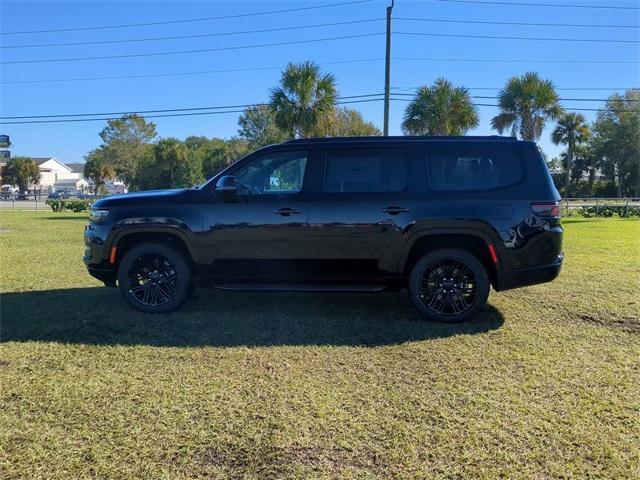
(449, 285)
(154, 278)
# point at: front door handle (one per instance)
(285, 212)
(395, 210)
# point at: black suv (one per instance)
(445, 217)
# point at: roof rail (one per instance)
(492, 138)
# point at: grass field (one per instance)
(545, 384)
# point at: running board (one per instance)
(283, 287)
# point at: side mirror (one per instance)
(227, 184)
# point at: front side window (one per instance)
(353, 171)
(275, 173)
(468, 170)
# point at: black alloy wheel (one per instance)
(154, 278)
(449, 285)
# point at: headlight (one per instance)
(98, 216)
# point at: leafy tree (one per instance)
(571, 130)
(617, 140)
(585, 160)
(21, 171)
(173, 164)
(258, 126)
(98, 168)
(126, 143)
(303, 97)
(526, 104)
(441, 109)
(344, 122)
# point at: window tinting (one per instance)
(459, 170)
(352, 171)
(275, 173)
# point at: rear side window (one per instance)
(462, 169)
(352, 170)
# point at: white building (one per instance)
(53, 171)
(58, 176)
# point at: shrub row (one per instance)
(73, 205)
(618, 210)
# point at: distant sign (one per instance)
(5, 154)
(4, 141)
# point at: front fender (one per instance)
(152, 225)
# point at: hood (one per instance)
(147, 197)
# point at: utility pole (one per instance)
(387, 71)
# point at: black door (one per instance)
(355, 223)
(260, 230)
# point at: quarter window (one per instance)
(473, 170)
(351, 171)
(275, 173)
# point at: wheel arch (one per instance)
(126, 239)
(474, 243)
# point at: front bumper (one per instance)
(530, 276)
(95, 256)
(106, 275)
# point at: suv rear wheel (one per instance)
(449, 285)
(154, 278)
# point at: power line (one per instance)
(218, 112)
(495, 60)
(557, 88)
(173, 74)
(570, 108)
(554, 5)
(182, 37)
(532, 24)
(165, 110)
(188, 20)
(363, 60)
(201, 50)
(73, 120)
(343, 99)
(496, 97)
(543, 39)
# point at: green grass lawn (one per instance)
(545, 384)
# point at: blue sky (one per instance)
(71, 141)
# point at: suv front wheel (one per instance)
(449, 285)
(154, 278)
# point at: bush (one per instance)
(609, 211)
(73, 205)
(56, 205)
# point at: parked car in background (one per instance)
(8, 191)
(444, 217)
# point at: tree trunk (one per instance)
(619, 176)
(567, 177)
(592, 179)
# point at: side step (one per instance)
(284, 287)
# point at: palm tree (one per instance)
(526, 103)
(570, 131)
(303, 97)
(440, 110)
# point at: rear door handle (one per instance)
(285, 212)
(395, 210)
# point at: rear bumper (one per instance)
(530, 275)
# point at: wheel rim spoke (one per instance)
(448, 287)
(153, 280)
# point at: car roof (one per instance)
(401, 139)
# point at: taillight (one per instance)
(546, 209)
